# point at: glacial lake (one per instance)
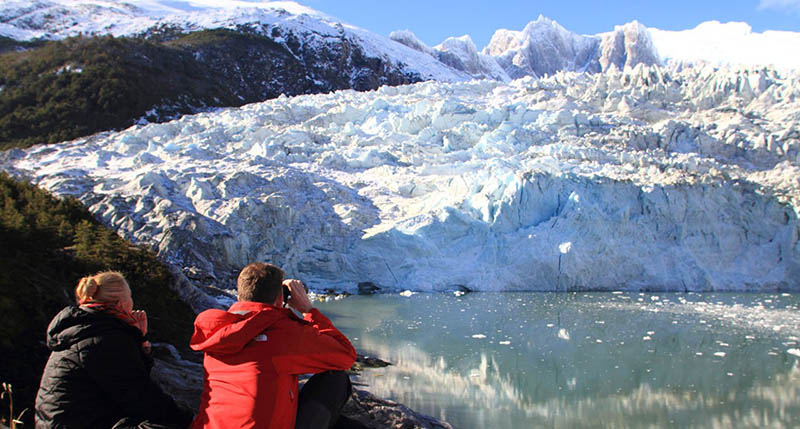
(520, 360)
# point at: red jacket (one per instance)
(253, 354)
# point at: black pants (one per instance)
(321, 400)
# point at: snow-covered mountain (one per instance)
(635, 179)
(733, 43)
(459, 53)
(296, 26)
(542, 48)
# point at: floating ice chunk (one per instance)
(478, 336)
(565, 247)
(794, 352)
(407, 293)
(563, 334)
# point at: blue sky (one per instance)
(435, 20)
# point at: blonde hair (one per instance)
(107, 286)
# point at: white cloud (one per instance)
(783, 5)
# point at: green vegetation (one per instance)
(61, 90)
(47, 245)
(78, 86)
(8, 44)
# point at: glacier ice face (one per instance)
(636, 179)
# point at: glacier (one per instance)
(642, 179)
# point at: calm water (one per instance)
(519, 360)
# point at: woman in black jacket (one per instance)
(98, 374)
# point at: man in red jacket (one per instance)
(255, 351)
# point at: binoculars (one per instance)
(287, 294)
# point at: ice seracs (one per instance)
(658, 180)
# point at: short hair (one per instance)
(260, 282)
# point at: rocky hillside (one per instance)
(75, 87)
(48, 244)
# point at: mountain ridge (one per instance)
(270, 49)
(710, 42)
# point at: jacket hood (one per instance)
(227, 332)
(74, 324)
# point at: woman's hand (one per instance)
(140, 317)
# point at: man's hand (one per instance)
(299, 300)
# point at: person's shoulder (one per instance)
(290, 320)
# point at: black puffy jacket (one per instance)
(98, 374)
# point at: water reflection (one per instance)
(572, 360)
